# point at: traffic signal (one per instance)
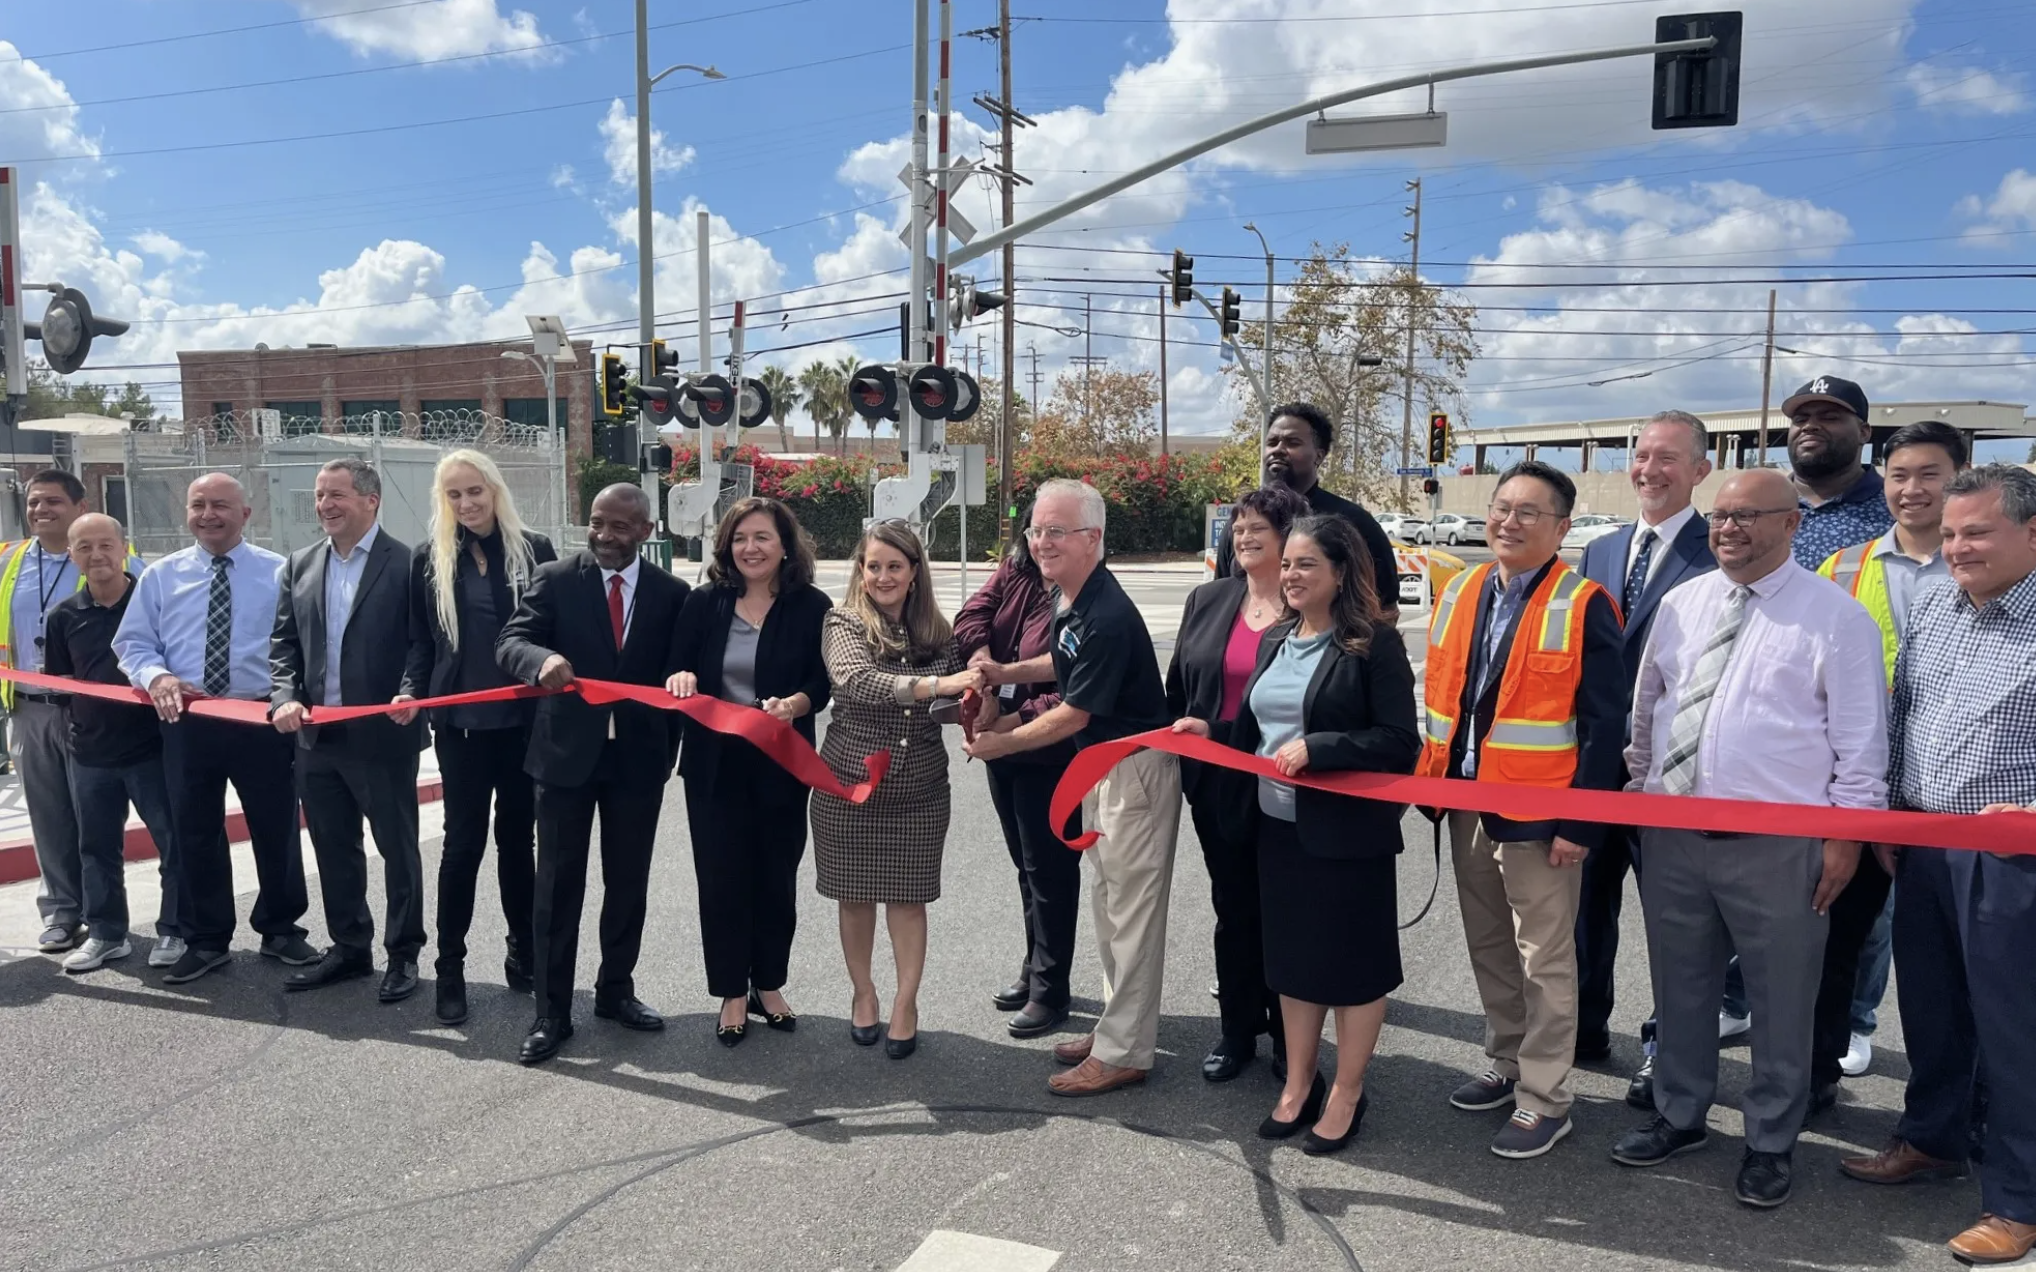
(614, 376)
(1438, 438)
(1700, 89)
(617, 443)
(1230, 322)
(1430, 486)
(662, 359)
(1183, 278)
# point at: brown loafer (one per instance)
(1076, 1051)
(1093, 1077)
(1900, 1163)
(1994, 1240)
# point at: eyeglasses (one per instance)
(1744, 517)
(1525, 516)
(1053, 534)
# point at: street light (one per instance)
(1266, 424)
(548, 337)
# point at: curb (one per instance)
(17, 858)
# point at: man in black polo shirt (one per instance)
(1296, 443)
(116, 749)
(1110, 688)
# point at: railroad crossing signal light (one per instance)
(67, 328)
(655, 397)
(971, 302)
(1230, 322)
(1183, 278)
(932, 391)
(1701, 89)
(614, 376)
(710, 398)
(873, 392)
(1438, 438)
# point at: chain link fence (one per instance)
(279, 468)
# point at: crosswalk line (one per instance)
(945, 1251)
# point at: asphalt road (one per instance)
(229, 1126)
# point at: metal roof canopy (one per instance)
(1986, 420)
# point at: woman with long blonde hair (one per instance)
(889, 654)
(465, 581)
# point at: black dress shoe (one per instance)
(782, 1021)
(1311, 1108)
(1317, 1145)
(899, 1048)
(1037, 1019)
(1595, 1049)
(337, 965)
(1227, 1059)
(1640, 1091)
(517, 974)
(1656, 1142)
(1764, 1179)
(630, 1014)
(1012, 996)
(398, 983)
(452, 998)
(544, 1040)
(865, 1035)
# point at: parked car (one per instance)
(1589, 526)
(1452, 528)
(1402, 526)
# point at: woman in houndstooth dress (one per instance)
(889, 653)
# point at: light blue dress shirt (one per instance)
(164, 630)
(1277, 703)
(342, 584)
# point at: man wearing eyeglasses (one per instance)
(1526, 685)
(1750, 688)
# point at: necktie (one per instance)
(1686, 732)
(219, 631)
(1636, 578)
(616, 618)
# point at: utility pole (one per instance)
(1009, 119)
(1413, 236)
(1162, 371)
(1033, 350)
(1766, 376)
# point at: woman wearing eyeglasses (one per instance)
(1332, 692)
(1214, 656)
(752, 636)
(889, 654)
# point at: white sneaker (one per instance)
(95, 954)
(1858, 1057)
(167, 951)
(1731, 1026)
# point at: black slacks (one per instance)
(565, 831)
(1230, 851)
(474, 765)
(1853, 915)
(749, 834)
(200, 756)
(1597, 934)
(1049, 874)
(340, 791)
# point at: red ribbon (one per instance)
(779, 741)
(2013, 832)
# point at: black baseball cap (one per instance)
(1828, 388)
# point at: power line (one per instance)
(202, 35)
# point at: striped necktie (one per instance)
(1686, 732)
(219, 631)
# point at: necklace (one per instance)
(760, 614)
(1258, 605)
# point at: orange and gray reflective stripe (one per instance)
(1558, 616)
(1532, 735)
(1848, 568)
(1442, 728)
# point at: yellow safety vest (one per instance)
(1861, 571)
(10, 575)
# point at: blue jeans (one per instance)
(102, 797)
(1875, 957)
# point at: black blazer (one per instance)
(1357, 716)
(787, 662)
(1194, 679)
(433, 664)
(565, 611)
(1605, 564)
(371, 652)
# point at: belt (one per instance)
(1723, 834)
(51, 699)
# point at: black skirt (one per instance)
(1331, 926)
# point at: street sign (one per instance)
(957, 224)
(1328, 136)
(1414, 472)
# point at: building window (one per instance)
(531, 411)
(224, 425)
(471, 406)
(113, 498)
(298, 417)
(360, 415)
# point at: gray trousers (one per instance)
(1704, 898)
(38, 736)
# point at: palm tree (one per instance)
(826, 392)
(785, 398)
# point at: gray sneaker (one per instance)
(58, 937)
(96, 953)
(1486, 1091)
(1528, 1134)
(167, 951)
(290, 948)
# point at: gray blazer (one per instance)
(372, 651)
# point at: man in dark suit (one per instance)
(342, 632)
(610, 614)
(1638, 565)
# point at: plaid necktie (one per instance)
(1636, 578)
(1686, 733)
(219, 631)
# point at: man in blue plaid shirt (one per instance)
(1963, 740)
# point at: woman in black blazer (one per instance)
(1333, 692)
(465, 580)
(1215, 653)
(751, 637)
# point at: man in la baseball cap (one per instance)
(1841, 497)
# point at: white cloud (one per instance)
(164, 248)
(1962, 90)
(447, 28)
(37, 114)
(618, 147)
(2011, 208)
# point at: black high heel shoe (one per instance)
(730, 1035)
(782, 1021)
(1316, 1145)
(865, 1035)
(1311, 1108)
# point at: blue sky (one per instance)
(295, 181)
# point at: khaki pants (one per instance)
(1519, 920)
(1137, 811)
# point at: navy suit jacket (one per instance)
(1605, 564)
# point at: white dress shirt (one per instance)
(1801, 714)
(1665, 535)
(628, 576)
(342, 584)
